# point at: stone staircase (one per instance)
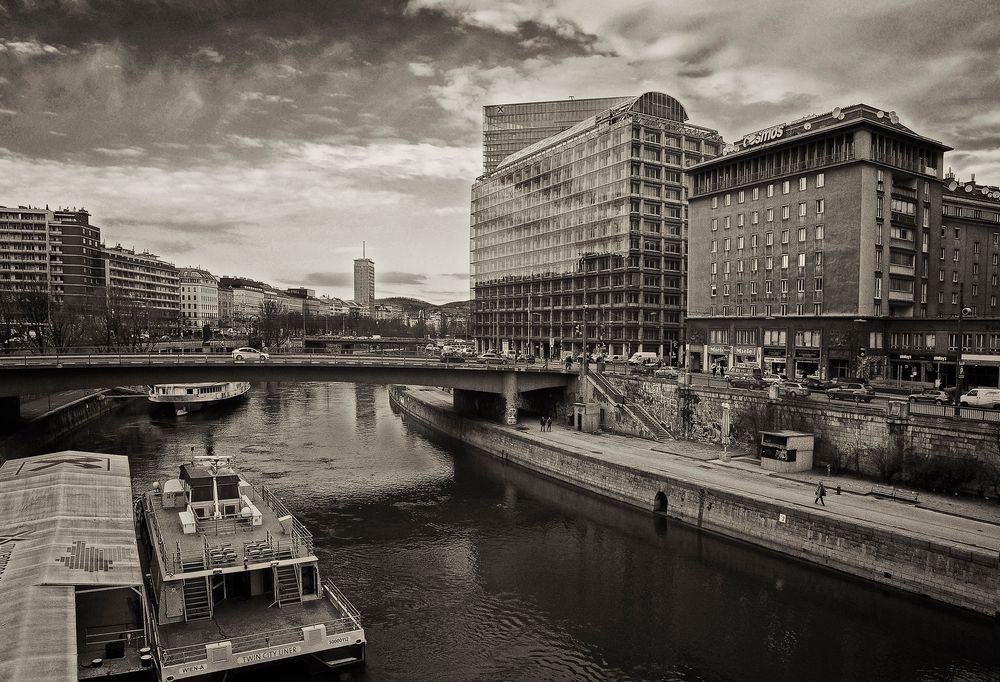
(654, 429)
(287, 589)
(197, 605)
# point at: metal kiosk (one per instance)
(786, 451)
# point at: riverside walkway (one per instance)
(957, 522)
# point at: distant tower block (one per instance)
(364, 281)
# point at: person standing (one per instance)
(820, 494)
(548, 423)
(542, 426)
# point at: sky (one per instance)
(269, 139)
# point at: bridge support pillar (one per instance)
(511, 399)
(10, 411)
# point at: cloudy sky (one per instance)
(270, 138)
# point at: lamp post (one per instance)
(959, 369)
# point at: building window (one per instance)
(802, 184)
(727, 222)
(728, 199)
(739, 242)
(802, 260)
(754, 217)
(753, 241)
(819, 284)
(802, 234)
(769, 215)
(955, 258)
(808, 339)
(817, 308)
(802, 209)
(957, 233)
(755, 194)
(975, 247)
(819, 232)
(784, 212)
(768, 239)
(878, 287)
(715, 224)
(820, 206)
(800, 285)
(819, 258)
(725, 244)
(786, 187)
(739, 220)
(769, 263)
(784, 260)
(715, 245)
(715, 202)
(954, 299)
(784, 236)
(820, 179)
(770, 190)
(940, 275)
(740, 197)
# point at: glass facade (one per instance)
(508, 128)
(579, 240)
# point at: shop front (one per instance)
(746, 356)
(909, 367)
(695, 356)
(839, 364)
(775, 360)
(807, 362)
(719, 357)
(981, 369)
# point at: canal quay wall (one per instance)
(39, 433)
(929, 452)
(955, 574)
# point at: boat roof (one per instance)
(66, 522)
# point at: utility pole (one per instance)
(959, 370)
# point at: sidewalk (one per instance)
(959, 522)
(35, 408)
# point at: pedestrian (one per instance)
(715, 368)
(542, 425)
(548, 423)
(820, 494)
(722, 371)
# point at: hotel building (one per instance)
(509, 128)
(834, 246)
(364, 284)
(579, 239)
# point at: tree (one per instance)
(272, 324)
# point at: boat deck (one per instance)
(229, 541)
(248, 625)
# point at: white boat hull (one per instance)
(187, 398)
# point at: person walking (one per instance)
(820, 494)
(715, 369)
(542, 426)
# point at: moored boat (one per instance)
(234, 581)
(192, 397)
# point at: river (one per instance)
(467, 569)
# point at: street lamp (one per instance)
(959, 369)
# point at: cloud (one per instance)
(421, 69)
(8, 112)
(209, 54)
(30, 48)
(121, 152)
(261, 97)
(328, 279)
(457, 275)
(400, 278)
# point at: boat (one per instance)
(233, 580)
(192, 397)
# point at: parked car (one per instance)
(745, 373)
(526, 359)
(817, 384)
(491, 358)
(747, 381)
(643, 358)
(641, 371)
(774, 378)
(615, 357)
(982, 397)
(452, 356)
(250, 354)
(793, 389)
(931, 395)
(844, 390)
(667, 373)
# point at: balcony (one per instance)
(748, 178)
(903, 218)
(901, 270)
(901, 296)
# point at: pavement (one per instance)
(956, 521)
(36, 407)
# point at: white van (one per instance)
(982, 397)
(643, 358)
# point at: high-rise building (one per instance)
(364, 284)
(834, 246)
(579, 239)
(199, 298)
(57, 252)
(509, 128)
(145, 279)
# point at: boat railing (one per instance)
(302, 539)
(157, 498)
(188, 561)
(128, 633)
(338, 598)
(220, 555)
(224, 526)
(260, 640)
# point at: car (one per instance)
(844, 390)
(793, 389)
(774, 378)
(744, 373)
(431, 348)
(452, 356)
(817, 384)
(747, 381)
(491, 358)
(931, 395)
(981, 397)
(615, 357)
(667, 373)
(250, 354)
(526, 359)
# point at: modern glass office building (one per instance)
(509, 128)
(578, 240)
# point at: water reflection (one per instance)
(466, 568)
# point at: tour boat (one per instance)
(191, 397)
(233, 579)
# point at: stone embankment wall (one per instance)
(955, 575)
(39, 434)
(922, 450)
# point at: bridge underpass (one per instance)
(508, 385)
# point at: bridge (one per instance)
(496, 389)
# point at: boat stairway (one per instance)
(196, 599)
(287, 580)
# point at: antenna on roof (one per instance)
(362, 249)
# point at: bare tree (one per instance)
(272, 324)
